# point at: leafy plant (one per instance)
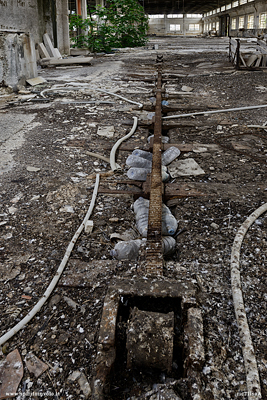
(122, 23)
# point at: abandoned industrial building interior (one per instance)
(133, 150)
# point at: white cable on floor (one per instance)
(252, 374)
(54, 281)
(140, 105)
(116, 145)
(215, 111)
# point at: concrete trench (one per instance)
(194, 284)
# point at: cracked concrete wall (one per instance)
(22, 25)
(17, 59)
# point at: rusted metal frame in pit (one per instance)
(154, 256)
(141, 287)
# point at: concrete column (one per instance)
(100, 3)
(63, 38)
(81, 7)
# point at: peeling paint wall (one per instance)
(22, 25)
(17, 59)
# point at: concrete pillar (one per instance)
(63, 38)
(81, 7)
(100, 3)
(17, 59)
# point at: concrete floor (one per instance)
(47, 178)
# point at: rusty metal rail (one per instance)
(150, 284)
(154, 257)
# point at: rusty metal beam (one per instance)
(154, 256)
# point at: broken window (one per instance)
(175, 27)
(194, 15)
(156, 16)
(250, 24)
(194, 27)
(233, 23)
(241, 22)
(263, 21)
(235, 4)
(223, 8)
(229, 6)
(175, 16)
(243, 2)
(217, 26)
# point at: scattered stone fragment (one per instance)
(32, 169)
(73, 304)
(107, 131)
(36, 81)
(89, 226)
(11, 373)
(8, 272)
(185, 168)
(84, 385)
(130, 234)
(199, 149)
(12, 210)
(67, 209)
(35, 365)
(215, 226)
(187, 88)
(83, 382)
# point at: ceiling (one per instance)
(181, 6)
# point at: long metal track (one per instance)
(154, 254)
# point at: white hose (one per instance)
(120, 97)
(106, 159)
(215, 111)
(116, 145)
(258, 126)
(140, 105)
(252, 375)
(54, 281)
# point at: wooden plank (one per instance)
(251, 60)
(66, 61)
(114, 191)
(57, 52)
(262, 44)
(258, 61)
(242, 59)
(49, 46)
(263, 51)
(42, 51)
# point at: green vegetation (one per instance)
(122, 23)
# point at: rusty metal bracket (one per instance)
(159, 287)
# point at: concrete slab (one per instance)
(36, 81)
(185, 168)
(42, 51)
(49, 46)
(66, 61)
(12, 136)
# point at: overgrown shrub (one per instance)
(122, 23)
